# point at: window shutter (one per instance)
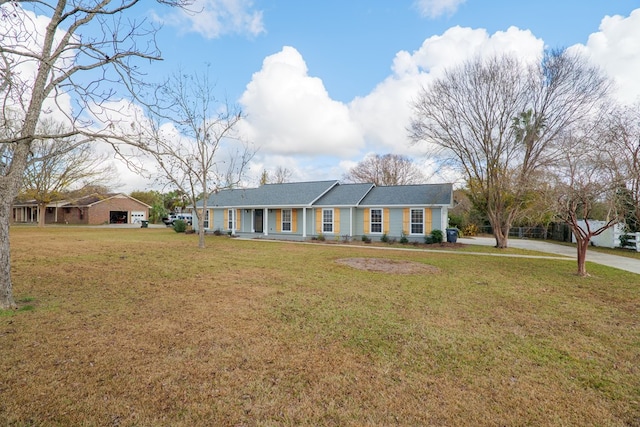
(318, 221)
(336, 221)
(428, 221)
(278, 220)
(226, 219)
(238, 222)
(367, 218)
(406, 227)
(385, 228)
(294, 220)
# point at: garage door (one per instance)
(138, 216)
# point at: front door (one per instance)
(258, 221)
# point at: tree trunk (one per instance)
(582, 246)
(9, 186)
(500, 230)
(6, 291)
(200, 215)
(42, 209)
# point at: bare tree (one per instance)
(388, 169)
(586, 178)
(40, 71)
(622, 139)
(279, 176)
(56, 166)
(194, 141)
(497, 119)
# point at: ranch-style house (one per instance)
(305, 210)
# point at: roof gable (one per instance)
(345, 195)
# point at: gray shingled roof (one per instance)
(286, 194)
(408, 195)
(345, 195)
(330, 193)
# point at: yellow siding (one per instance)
(367, 218)
(318, 221)
(428, 221)
(278, 220)
(294, 220)
(385, 225)
(336, 221)
(406, 226)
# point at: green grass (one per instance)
(139, 327)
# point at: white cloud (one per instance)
(384, 115)
(435, 8)
(290, 115)
(215, 18)
(289, 112)
(615, 48)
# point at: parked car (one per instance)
(186, 217)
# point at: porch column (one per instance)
(304, 222)
(265, 226)
(351, 221)
(234, 218)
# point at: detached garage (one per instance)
(96, 209)
(105, 209)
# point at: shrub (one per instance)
(384, 238)
(217, 232)
(437, 236)
(321, 237)
(470, 230)
(403, 238)
(179, 226)
(626, 241)
(366, 239)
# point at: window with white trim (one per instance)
(375, 223)
(232, 219)
(327, 220)
(417, 221)
(286, 219)
(205, 222)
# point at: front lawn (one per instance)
(139, 327)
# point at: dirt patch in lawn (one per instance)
(385, 265)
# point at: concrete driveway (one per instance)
(620, 262)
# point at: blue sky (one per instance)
(326, 83)
(350, 45)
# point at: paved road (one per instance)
(615, 261)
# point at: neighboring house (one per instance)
(304, 210)
(610, 238)
(112, 208)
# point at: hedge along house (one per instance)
(96, 209)
(304, 210)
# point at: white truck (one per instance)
(186, 217)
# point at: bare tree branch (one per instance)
(40, 66)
